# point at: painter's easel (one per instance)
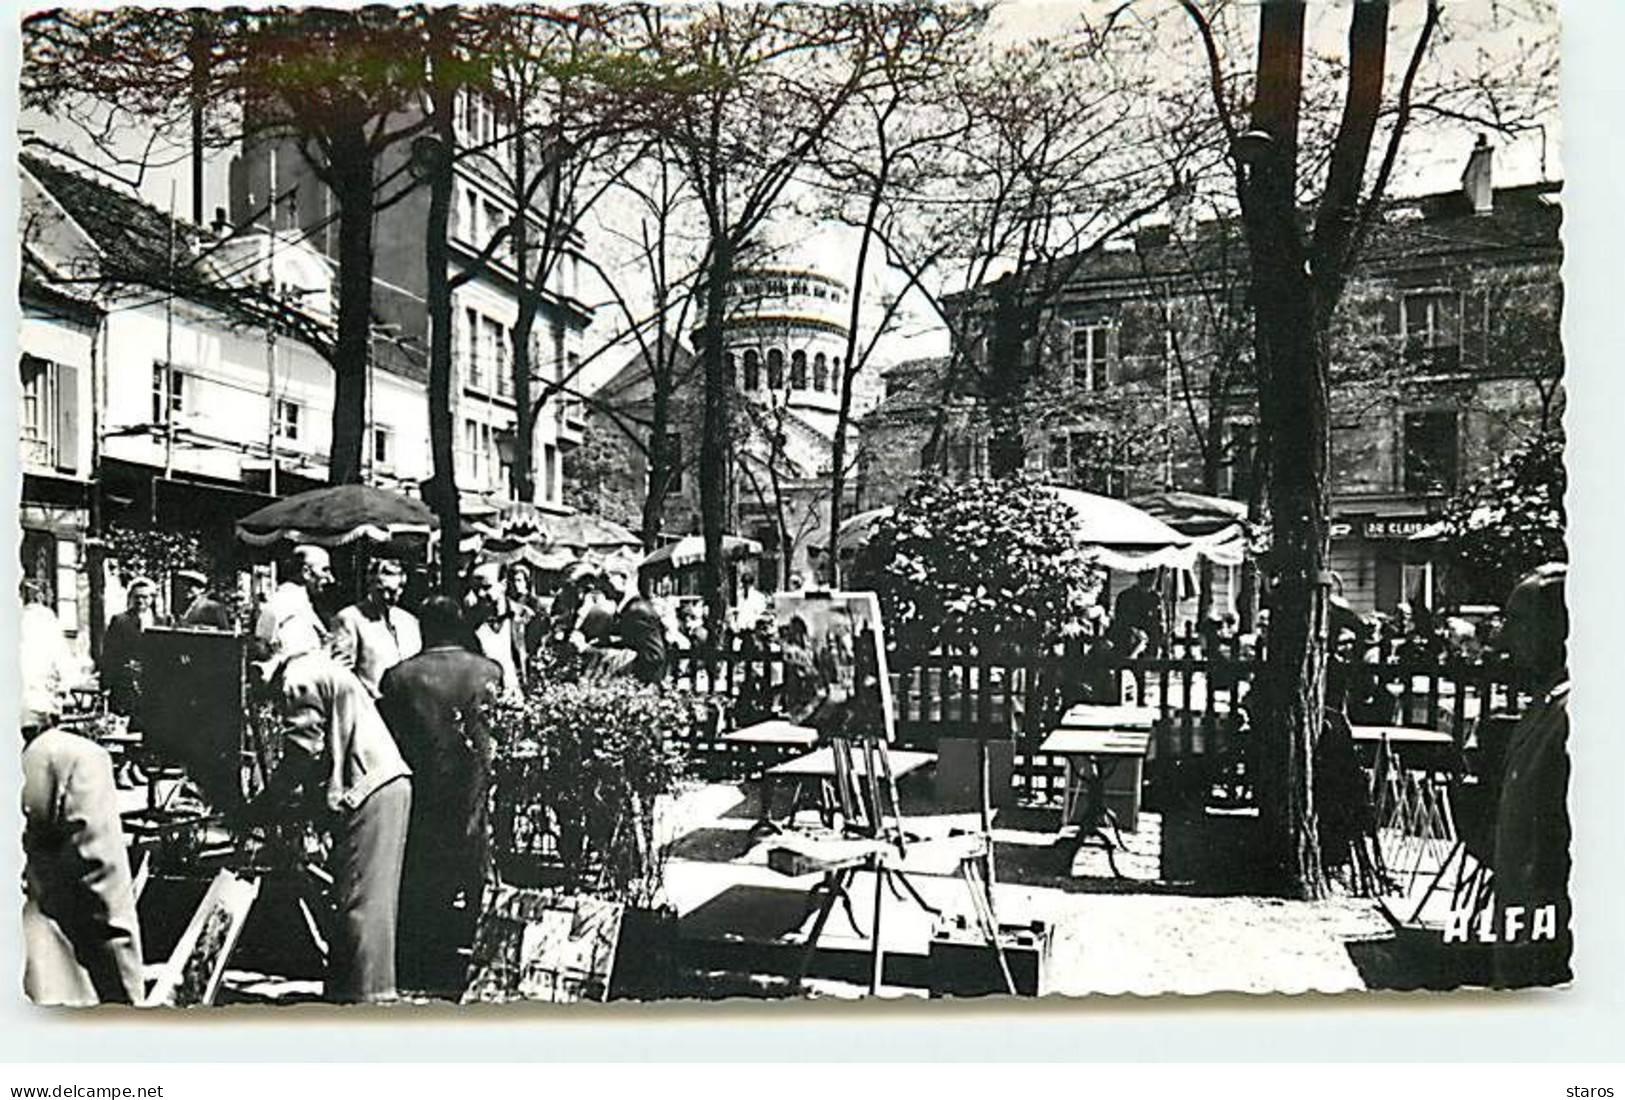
(873, 838)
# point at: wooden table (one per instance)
(1400, 735)
(820, 764)
(1411, 772)
(771, 735)
(1096, 716)
(1093, 758)
(818, 770)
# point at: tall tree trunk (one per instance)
(351, 180)
(715, 443)
(1008, 370)
(654, 501)
(849, 372)
(436, 256)
(1212, 463)
(1291, 355)
(524, 476)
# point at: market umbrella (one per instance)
(1107, 521)
(1218, 527)
(584, 531)
(1193, 513)
(337, 515)
(857, 530)
(690, 550)
(1119, 535)
(548, 559)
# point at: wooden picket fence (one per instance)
(1197, 693)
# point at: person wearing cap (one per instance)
(81, 939)
(498, 631)
(376, 634)
(202, 609)
(1532, 830)
(336, 742)
(288, 622)
(120, 664)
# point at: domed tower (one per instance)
(785, 336)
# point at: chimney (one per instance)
(1477, 179)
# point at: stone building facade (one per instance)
(272, 186)
(1447, 352)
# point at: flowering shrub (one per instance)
(1510, 521)
(978, 566)
(590, 759)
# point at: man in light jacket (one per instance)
(336, 742)
(373, 636)
(81, 942)
(289, 622)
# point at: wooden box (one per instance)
(963, 964)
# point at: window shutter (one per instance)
(67, 418)
(1107, 372)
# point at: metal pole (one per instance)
(270, 397)
(167, 401)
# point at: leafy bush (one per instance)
(591, 759)
(154, 553)
(1510, 521)
(983, 566)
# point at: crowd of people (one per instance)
(379, 712)
(386, 706)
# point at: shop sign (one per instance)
(1395, 527)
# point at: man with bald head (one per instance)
(289, 624)
(1532, 822)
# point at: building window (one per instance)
(730, 369)
(1433, 330)
(476, 369)
(168, 394)
(1240, 458)
(1091, 461)
(1088, 356)
(753, 370)
(550, 477)
(674, 462)
(34, 417)
(477, 450)
(495, 348)
(798, 370)
(383, 448)
(775, 369)
(559, 356)
(820, 373)
(287, 421)
(1432, 451)
(466, 213)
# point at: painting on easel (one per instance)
(835, 671)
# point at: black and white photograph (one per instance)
(791, 502)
